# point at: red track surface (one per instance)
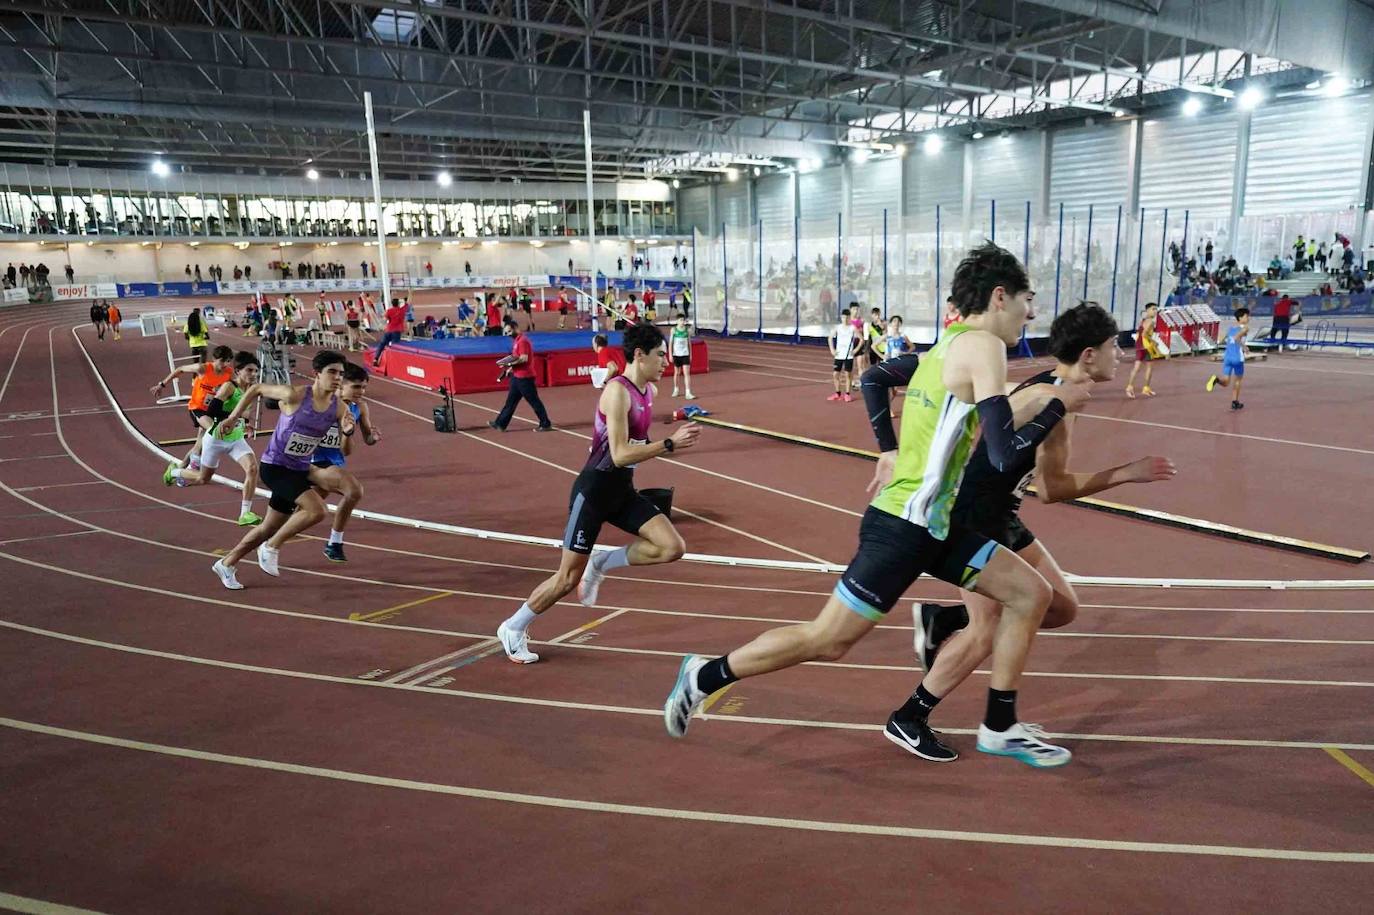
(171, 746)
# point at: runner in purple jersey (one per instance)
(307, 414)
(605, 492)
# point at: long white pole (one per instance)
(591, 210)
(377, 202)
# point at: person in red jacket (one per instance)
(521, 363)
(395, 326)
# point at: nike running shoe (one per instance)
(516, 645)
(248, 519)
(917, 738)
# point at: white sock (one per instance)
(335, 536)
(522, 618)
(615, 559)
(245, 506)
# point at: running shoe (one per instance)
(334, 552)
(590, 585)
(1147, 391)
(685, 698)
(169, 476)
(835, 396)
(548, 428)
(1237, 405)
(1023, 742)
(227, 576)
(917, 738)
(674, 392)
(690, 396)
(267, 559)
(923, 615)
(516, 645)
(1211, 383)
(847, 398)
(248, 519)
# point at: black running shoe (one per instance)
(923, 616)
(917, 738)
(335, 552)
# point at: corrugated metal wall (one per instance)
(822, 196)
(1090, 166)
(873, 188)
(1008, 170)
(694, 208)
(732, 201)
(1306, 155)
(774, 194)
(933, 180)
(1189, 163)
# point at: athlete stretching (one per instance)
(605, 492)
(907, 529)
(1083, 341)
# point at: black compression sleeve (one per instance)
(1004, 443)
(874, 384)
(215, 408)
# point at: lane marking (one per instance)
(44, 537)
(699, 816)
(388, 611)
(651, 712)
(4, 388)
(1360, 771)
(31, 457)
(586, 626)
(714, 698)
(1254, 438)
(57, 485)
(29, 906)
(425, 666)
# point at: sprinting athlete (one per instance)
(218, 442)
(1147, 349)
(1083, 341)
(307, 414)
(328, 472)
(207, 378)
(605, 492)
(907, 529)
(1233, 361)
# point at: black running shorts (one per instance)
(602, 496)
(892, 555)
(287, 485)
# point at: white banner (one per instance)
(86, 291)
(18, 296)
(375, 285)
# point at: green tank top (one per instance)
(936, 441)
(229, 405)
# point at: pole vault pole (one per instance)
(591, 210)
(377, 202)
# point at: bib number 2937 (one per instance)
(301, 445)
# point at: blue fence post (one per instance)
(939, 315)
(725, 283)
(839, 265)
(992, 216)
(1139, 256)
(1026, 258)
(1116, 255)
(884, 263)
(1163, 250)
(1185, 248)
(1058, 259)
(760, 276)
(1088, 252)
(796, 277)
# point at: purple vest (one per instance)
(296, 436)
(640, 418)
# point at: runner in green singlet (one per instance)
(960, 385)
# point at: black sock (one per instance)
(715, 675)
(1001, 709)
(919, 706)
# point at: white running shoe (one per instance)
(690, 396)
(1023, 742)
(267, 558)
(227, 576)
(685, 698)
(590, 585)
(516, 645)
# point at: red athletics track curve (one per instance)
(319, 844)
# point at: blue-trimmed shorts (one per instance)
(893, 553)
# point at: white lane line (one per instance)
(1254, 438)
(10, 902)
(650, 712)
(700, 816)
(44, 537)
(13, 362)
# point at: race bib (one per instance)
(332, 439)
(301, 445)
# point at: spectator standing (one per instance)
(522, 385)
(71, 274)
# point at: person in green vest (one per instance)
(217, 443)
(960, 385)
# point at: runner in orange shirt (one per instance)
(207, 379)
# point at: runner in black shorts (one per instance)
(605, 492)
(1083, 340)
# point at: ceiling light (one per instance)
(1191, 107)
(900, 149)
(676, 184)
(859, 156)
(1119, 113)
(1335, 85)
(757, 171)
(536, 243)
(933, 144)
(312, 175)
(1251, 97)
(978, 135)
(444, 179)
(732, 174)
(161, 168)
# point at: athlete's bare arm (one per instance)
(1056, 483)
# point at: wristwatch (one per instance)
(669, 445)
